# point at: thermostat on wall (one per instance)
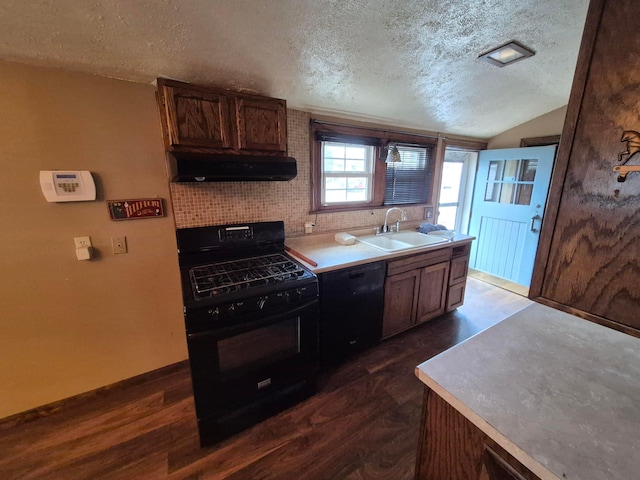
(63, 186)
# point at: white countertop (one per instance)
(330, 255)
(561, 394)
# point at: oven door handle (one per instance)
(232, 330)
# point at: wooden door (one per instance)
(509, 197)
(261, 124)
(589, 258)
(434, 281)
(195, 118)
(400, 296)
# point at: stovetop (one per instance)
(246, 274)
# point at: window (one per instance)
(456, 187)
(349, 172)
(407, 182)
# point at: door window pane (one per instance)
(511, 181)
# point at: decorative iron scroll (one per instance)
(633, 147)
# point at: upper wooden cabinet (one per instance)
(219, 121)
(196, 119)
(261, 124)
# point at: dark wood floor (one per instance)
(362, 424)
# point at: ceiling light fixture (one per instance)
(393, 155)
(507, 54)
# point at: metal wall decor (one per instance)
(633, 147)
(135, 208)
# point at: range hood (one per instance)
(204, 167)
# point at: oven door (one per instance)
(235, 366)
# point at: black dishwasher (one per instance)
(351, 306)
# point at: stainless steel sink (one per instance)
(393, 242)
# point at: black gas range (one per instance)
(251, 318)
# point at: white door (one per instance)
(508, 203)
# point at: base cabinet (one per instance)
(415, 290)
(452, 448)
(424, 286)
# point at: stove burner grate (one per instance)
(235, 275)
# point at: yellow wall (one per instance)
(542, 126)
(69, 326)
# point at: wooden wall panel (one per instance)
(593, 257)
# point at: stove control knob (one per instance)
(215, 313)
(231, 309)
(261, 302)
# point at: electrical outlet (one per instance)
(119, 244)
(82, 242)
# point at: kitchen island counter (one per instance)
(558, 393)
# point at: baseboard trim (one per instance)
(85, 397)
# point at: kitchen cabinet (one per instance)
(400, 297)
(458, 276)
(199, 119)
(453, 448)
(517, 400)
(433, 291)
(415, 290)
(587, 260)
(350, 310)
(261, 124)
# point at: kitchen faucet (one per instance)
(385, 227)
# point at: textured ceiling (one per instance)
(397, 62)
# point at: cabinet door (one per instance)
(400, 296)
(261, 124)
(434, 281)
(459, 270)
(195, 118)
(457, 282)
(455, 296)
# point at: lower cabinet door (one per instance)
(432, 297)
(455, 297)
(400, 296)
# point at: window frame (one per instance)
(380, 139)
(471, 146)
(369, 173)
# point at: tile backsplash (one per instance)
(196, 205)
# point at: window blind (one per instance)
(408, 181)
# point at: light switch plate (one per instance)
(82, 242)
